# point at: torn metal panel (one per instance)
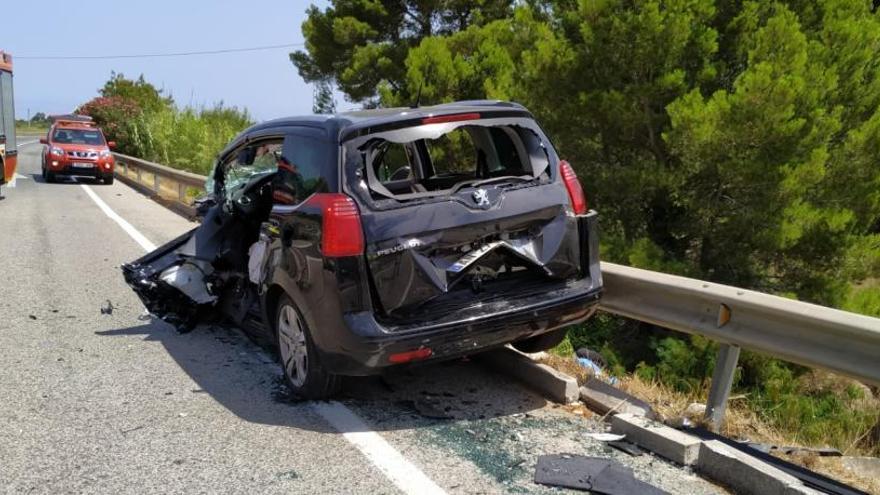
(189, 278)
(593, 474)
(537, 247)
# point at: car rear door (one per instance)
(459, 213)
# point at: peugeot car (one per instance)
(379, 238)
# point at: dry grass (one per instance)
(740, 422)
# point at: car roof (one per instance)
(381, 116)
(365, 121)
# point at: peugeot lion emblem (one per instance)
(481, 197)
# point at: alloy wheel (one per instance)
(292, 343)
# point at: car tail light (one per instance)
(443, 119)
(575, 191)
(406, 357)
(342, 232)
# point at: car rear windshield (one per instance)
(78, 136)
(438, 159)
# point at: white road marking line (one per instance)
(405, 475)
(15, 177)
(127, 227)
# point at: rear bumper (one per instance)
(365, 344)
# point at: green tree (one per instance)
(361, 45)
(730, 141)
(323, 101)
(143, 94)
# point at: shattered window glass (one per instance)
(422, 160)
(256, 160)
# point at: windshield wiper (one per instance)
(480, 182)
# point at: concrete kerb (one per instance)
(744, 473)
(735, 469)
(607, 399)
(664, 441)
(547, 381)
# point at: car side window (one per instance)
(250, 162)
(301, 169)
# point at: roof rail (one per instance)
(483, 103)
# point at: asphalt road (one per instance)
(101, 403)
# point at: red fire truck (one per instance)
(8, 149)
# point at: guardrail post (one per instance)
(138, 170)
(722, 381)
(124, 168)
(181, 192)
(156, 182)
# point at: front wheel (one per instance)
(302, 368)
(108, 180)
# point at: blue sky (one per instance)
(265, 82)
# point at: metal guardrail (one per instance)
(161, 182)
(790, 330)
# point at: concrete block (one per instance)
(658, 438)
(602, 398)
(547, 381)
(745, 474)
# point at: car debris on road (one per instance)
(594, 474)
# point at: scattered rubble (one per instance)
(606, 437)
(107, 308)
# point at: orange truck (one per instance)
(8, 148)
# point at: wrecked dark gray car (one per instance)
(369, 239)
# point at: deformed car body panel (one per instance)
(207, 255)
(460, 269)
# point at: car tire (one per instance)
(108, 180)
(298, 356)
(541, 342)
(50, 177)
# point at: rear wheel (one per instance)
(541, 342)
(302, 368)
